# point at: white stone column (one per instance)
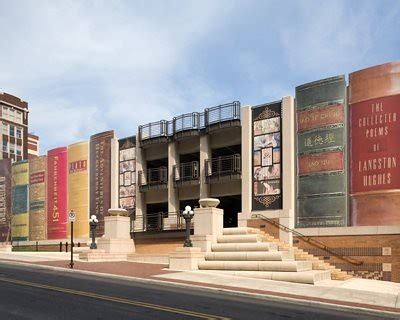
(287, 215)
(140, 197)
(205, 153)
(173, 195)
(247, 152)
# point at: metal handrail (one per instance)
(223, 165)
(308, 239)
(186, 171)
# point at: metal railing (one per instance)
(223, 166)
(188, 171)
(190, 121)
(307, 239)
(153, 176)
(162, 221)
(221, 113)
(154, 130)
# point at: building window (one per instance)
(4, 127)
(18, 117)
(12, 148)
(5, 146)
(12, 131)
(19, 150)
(19, 133)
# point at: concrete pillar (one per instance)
(140, 196)
(286, 218)
(114, 173)
(117, 238)
(247, 175)
(173, 195)
(208, 225)
(205, 153)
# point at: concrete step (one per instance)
(256, 265)
(240, 230)
(249, 256)
(239, 238)
(256, 246)
(306, 277)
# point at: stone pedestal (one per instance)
(186, 258)
(208, 222)
(117, 238)
(5, 247)
(116, 243)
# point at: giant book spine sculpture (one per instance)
(374, 98)
(322, 153)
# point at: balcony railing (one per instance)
(222, 113)
(153, 178)
(161, 221)
(153, 130)
(223, 167)
(189, 121)
(186, 173)
(225, 114)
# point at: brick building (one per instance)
(14, 127)
(33, 146)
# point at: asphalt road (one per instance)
(31, 293)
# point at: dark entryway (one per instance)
(231, 205)
(156, 212)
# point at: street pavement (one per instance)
(30, 293)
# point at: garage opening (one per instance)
(231, 205)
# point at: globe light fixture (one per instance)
(188, 216)
(93, 222)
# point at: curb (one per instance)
(333, 305)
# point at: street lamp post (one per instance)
(188, 215)
(93, 222)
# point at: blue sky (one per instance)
(89, 66)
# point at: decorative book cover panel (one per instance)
(267, 156)
(37, 199)
(57, 193)
(100, 177)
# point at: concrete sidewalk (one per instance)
(355, 293)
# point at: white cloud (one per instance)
(334, 36)
(89, 66)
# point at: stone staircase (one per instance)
(250, 252)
